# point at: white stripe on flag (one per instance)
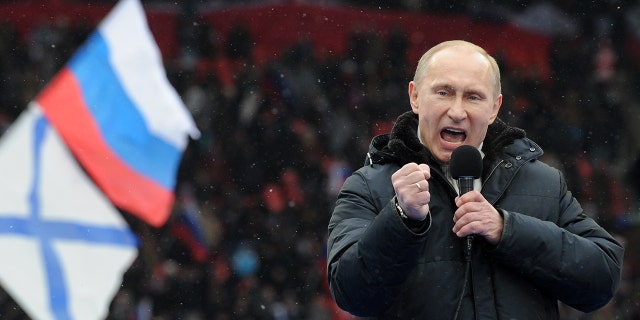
(64, 247)
(134, 53)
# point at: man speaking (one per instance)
(398, 234)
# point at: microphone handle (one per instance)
(468, 247)
(465, 184)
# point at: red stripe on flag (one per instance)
(63, 105)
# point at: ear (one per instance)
(495, 109)
(413, 96)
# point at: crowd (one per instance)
(247, 236)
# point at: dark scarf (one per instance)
(405, 145)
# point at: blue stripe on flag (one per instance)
(67, 231)
(48, 231)
(57, 288)
(120, 123)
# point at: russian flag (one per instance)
(119, 115)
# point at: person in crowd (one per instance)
(397, 235)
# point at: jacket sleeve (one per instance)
(370, 250)
(573, 259)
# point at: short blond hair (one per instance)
(423, 63)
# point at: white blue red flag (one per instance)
(64, 246)
(119, 115)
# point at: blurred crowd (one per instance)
(247, 236)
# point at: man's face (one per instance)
(455, 101)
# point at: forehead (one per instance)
(460, 57)
(460, 64)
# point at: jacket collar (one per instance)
(402, 145)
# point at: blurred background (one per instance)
(288, 94)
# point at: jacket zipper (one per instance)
(492, 171)
(441, 175)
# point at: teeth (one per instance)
(453, 136)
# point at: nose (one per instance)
(456, 111)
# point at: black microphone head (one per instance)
(466, 161)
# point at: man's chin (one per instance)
(443, 156)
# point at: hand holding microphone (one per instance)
(475, 215)
(412, 190)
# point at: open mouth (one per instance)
(453, 135)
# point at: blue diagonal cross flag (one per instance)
(107, 133)
(64, 246)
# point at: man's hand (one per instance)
(475, 215)
(412, 189)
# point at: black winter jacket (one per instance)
(549, 250)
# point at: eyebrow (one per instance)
(443, 86)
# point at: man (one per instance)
(396, 235)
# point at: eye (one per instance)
(475, 97)
(442, 93)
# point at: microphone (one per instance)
(466, 166)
